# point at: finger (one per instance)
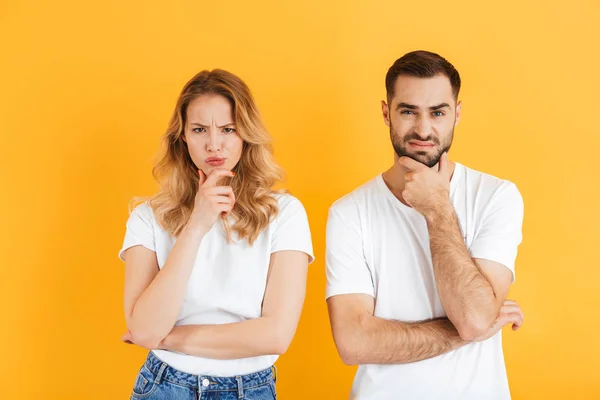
(201, 176)
(224, 208)
(408, 176)
(218, 191)
(411, 164)
(515, 327)
(505, 318)
(215, 174)
(444, 165)
(232, 196)
(516, 314)
(515, 319)
(223, 200)
(511, 308)
(517, 310)
(406, 196)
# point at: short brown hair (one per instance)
(421, 64)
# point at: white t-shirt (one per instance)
(378, 246)
(228, 281)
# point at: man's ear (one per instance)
(385, 111)
(458, 111)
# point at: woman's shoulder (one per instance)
(290, 208)
(143, 211)
(287, 201)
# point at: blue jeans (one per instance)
(158, 381)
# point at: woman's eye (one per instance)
(229, 130)
(198, 130)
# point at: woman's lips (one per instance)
(215, 161)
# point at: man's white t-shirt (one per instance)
(228, 281)
(378, 246)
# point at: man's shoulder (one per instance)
(483, 179)
(352, 201)
(481, 183)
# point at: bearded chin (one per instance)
(430, 160)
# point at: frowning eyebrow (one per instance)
(413, 107)
(439, 106)
(206, 126)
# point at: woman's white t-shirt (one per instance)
(228, 281)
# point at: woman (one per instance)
(216, 261)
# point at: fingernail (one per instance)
(233, 173)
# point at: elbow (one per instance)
(348, 357)
(347, 349)
(281, 340)
(279, 345)
(473, 328)
(146, 339)
(350, 340)
(279, 348)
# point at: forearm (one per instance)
(157, 309)
(381, 341)
(466, 294)
(251, 338)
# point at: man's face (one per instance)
(422, 115)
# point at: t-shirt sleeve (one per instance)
(140, 230)
(499, 233)
(292, 231)
(347, 268)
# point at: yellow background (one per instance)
(87, 90)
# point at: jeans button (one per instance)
(205, 382)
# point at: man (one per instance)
(420, 259)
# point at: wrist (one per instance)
(164, 344)
(169, 342)
(194, 229)
(443, 211)
(456, 341)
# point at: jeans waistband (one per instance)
(206, 383)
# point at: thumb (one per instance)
(444, 165)
(201, 176)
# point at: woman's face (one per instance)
(211, 135)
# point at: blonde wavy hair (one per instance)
(256, 172)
